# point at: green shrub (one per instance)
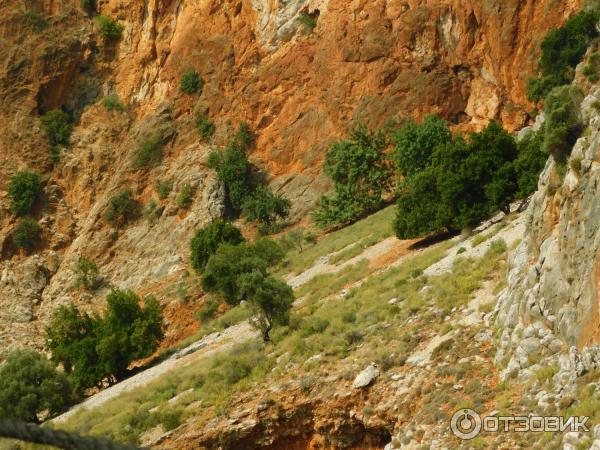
(152, 211)
(562, 49)
(27, 235)
(55, 151)
(207, 240)
(309, 21)
(122, 208)
(163, 188)
(86, 274)
(361, 174)
(298, 239)
(92, 348)
(89, 6)
(24, 190)
(208, 311)
(190, 82)
(113, 103)
(563, 124)
(170, 419)
(31, 385)
(205, 127)
(35, 21)
(184, 199)
(576, 165)
(110, 29)
(244, 137)
(235, 172)
(57, 125)
(265, 207)
(149, 153)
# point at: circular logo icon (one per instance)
(465, 424)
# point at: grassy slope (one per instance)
(362, 326)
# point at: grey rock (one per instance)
(366, 377)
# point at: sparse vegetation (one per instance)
(87, 275)
(191, 82)
(309, 21)
(206, 128)
(24, 190)
(113, 103)
(149, 153)
(31, 386)
(110, 29)
(184, 199)
(563, 124)
(35, 21)
(163, 188)
(152, 211)
(122, 208)
(27, 235)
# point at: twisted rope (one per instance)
(29, 432)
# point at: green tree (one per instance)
(27, 235)
(562, 49)
(224, 269)
(71, 337)
(191, 82)
(466, 182)
(207, 240)
(265, 207)
(271, 300)
(24, 189)
(122, 208)
(563, 123)
(57, 125)
(414, 144)
(361, 175)
(530, 163)
(30, 385)
(93, 348)
(128, 331)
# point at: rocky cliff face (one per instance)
(552, 296)
(370, 61)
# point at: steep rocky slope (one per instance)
(370, 61)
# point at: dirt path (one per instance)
(211, 344)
